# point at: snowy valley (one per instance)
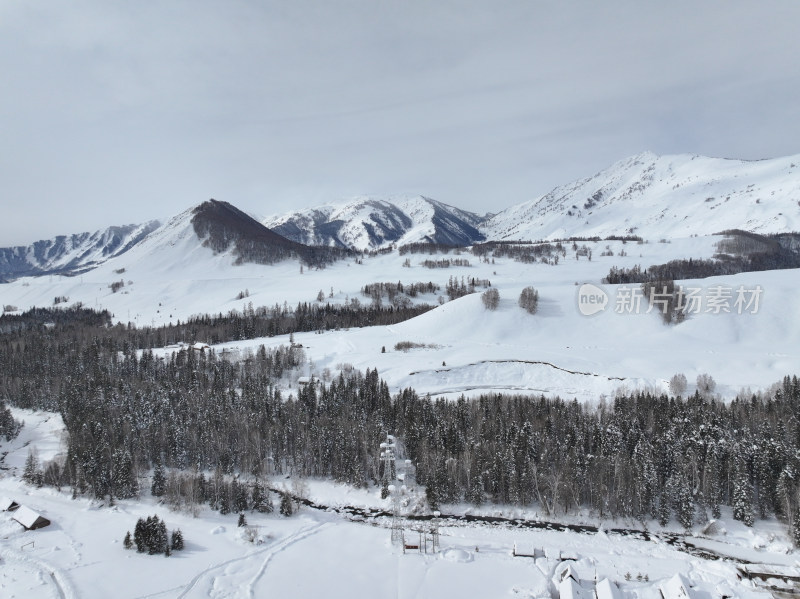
(591, 348)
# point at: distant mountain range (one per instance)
(71, 254)
(647, 195)
(369, 223)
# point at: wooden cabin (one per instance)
(29, 519)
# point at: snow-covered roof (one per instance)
(569, 589)
(606, 589)
(28, 518)
(6, 504)
(677, 587)
(569, 572)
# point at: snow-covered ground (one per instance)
(558, 351)
(317, 553)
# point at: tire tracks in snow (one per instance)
(279, 547)
(64, 588)
(271, 550)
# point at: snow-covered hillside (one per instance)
(470, 350)
(71, 253)
(662, 196)
(371, 223)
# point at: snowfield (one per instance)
(470, 350)
(318, 553)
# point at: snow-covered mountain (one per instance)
(662, 196)
(647, 195)
(369, 223)
(69, 254)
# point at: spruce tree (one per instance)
(158, 488)
(742, 494)
(127, 543)
(177, 540)
(796, 528)
(242, 520)
(32, 473)
(140, 535)
(224, 500)
(262, 502)
(286, 509)
(240, 502)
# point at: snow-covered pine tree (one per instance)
(682, 500)
(140, 535)
(177, 540)
(287, 508)
(225, 499)
(240, 498)
(742, 493)
(157, 535)
(261, 499)
(32, 474)
(123, 479)
(158, 488)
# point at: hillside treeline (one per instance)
(738, 252)
(637, 456)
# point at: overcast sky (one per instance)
(114, 112)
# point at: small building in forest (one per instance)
(29, 519)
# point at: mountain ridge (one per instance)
(662, 196)
(366, 223)
(655, 197)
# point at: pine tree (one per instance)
(240, 503)
(123, 480)
(32, 474)
(224, 500)
(158, 488)
(663, 509)
(287, 508)
(742, 494)
(796, 528)
(262, 502)
(242, 520)
(682, 501)
(177, 540)
(385, 489)
(432, 495)
(127, 543)
(140, 535)
(156, 535)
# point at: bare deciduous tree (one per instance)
(491, 298)
(529, 300)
